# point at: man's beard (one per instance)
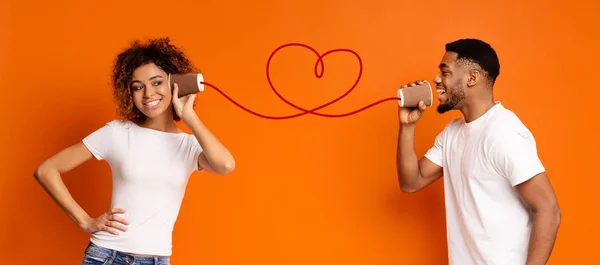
(455, 98)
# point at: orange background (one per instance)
(309, 190)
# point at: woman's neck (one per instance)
(162, 123)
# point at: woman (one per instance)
(151, 159)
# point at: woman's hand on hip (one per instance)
(108, 221)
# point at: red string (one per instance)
(319, 70)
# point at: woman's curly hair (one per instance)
(158, 51)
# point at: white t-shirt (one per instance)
(483, 161)
(150, 171)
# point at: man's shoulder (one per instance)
(506, 127)
(505, 120)
(507, 115)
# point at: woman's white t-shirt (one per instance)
(150, 171)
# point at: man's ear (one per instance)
(474, 77)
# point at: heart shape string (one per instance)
(319, 70)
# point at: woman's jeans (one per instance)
(96, 255)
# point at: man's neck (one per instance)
(477, 107)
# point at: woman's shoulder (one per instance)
(117, 123)
(113, 126)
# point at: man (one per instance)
(500, 206)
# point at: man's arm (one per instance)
(514, 154)
(541, 199)
(413, 174)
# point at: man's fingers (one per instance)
(417, 82)
(422, 106)
(413, 117)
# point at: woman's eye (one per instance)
(158, 83)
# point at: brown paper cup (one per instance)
(188, 83)
(410, 96)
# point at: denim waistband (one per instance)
(107, 253)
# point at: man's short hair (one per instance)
(478, 52)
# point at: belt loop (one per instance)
(113, 256)
(155, 260)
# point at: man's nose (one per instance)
(437, 79)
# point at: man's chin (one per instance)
(443, 108)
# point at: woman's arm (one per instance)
(214, 157)
(48, 174)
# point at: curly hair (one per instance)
(158, 51)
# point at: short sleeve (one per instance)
(99, 141)
(435, 153)
(195, 150)
(514, 155)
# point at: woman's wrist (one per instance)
(190, 119)
(83, 221)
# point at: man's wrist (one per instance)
(407, 127)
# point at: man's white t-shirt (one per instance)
(483, 161)
(150, 171)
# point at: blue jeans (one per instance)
(96, 255)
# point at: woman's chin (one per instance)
(153, 113)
